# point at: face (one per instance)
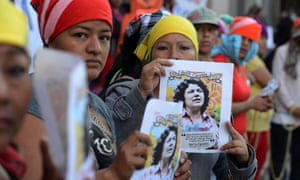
(169, 145)
(194, 96)
(262, 44)
(15, 91)
(207, 36)
(246, 44)
(90, 40)
(174, 46)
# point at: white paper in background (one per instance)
(162, 123)
(208, 132)
(185, 7)
(61, 90)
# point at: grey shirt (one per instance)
(102, 152)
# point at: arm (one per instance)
(127, 100)
(127, 107)
(258, 103)
(279, 74)
(241, 156)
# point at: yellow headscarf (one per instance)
(167, 25)
(13, 25)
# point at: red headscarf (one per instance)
(246, 27)
(55, 16)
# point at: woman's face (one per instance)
(169, 145)
(15, 91)
(90, 40)
(174, 46)
(262, 45)
(207, 37)
(246, 44)
(194, 96)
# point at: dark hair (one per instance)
(180, 90)
(157, 153)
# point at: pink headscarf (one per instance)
(55, 16)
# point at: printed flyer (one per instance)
(162, 122)
(205, 89)
(61, 91)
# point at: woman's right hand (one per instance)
(260, 103)
(131, 155)
(151, 73)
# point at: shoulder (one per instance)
(98, 105)
(120, 88)
(254, 64)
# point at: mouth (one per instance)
(205, 43)
(198, 100)
(93, 63)
(170, 150)
(4, 122)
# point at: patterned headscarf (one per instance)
(144, 23)
(167, 25)
(55, 16)
(13, 25)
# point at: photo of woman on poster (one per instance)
(195, 97)
(162, 165)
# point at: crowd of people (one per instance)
(124, 64)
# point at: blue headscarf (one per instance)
(231, 45)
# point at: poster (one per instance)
(205, 89)
(162, 123)
(61, 90)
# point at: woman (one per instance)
(172, 37)
(15, 93)
(285, 125)
(195, 97)
(258, 123)
(87, 34)
(238, 47)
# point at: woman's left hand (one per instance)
(183, 171)
(237, 146)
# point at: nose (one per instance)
(4, 96)
(174, 53)
(246, 42)
(94, 45)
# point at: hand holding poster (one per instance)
(60, 85)
(205, 89)
(162, 123)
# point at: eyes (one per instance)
(16, 71)
(203, 28)
(82, 36)
(191, 91)
(166, 47)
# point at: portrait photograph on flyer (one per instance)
(162, 123)
(205, 90)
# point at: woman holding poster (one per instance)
(172, 37)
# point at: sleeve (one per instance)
(245, 172)
(280, 76)
(254, 64)
(127, 106)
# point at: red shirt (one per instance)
(240, 92)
